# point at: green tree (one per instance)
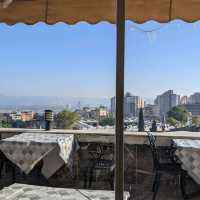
(179, 113)
(196, 121)
(66, 119)
(172, 121)
(141, 121)
(107, 121)
(6, 124)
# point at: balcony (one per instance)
(138, 162)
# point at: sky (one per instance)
(79, 60)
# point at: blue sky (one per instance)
(79, 60)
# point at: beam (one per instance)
(6, 3)
(119, 130)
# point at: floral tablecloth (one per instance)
(27, 149)
(30, 192)
(188, 152)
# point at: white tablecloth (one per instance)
(30, 192)
(27, 149)
(188, 151)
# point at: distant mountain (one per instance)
(51, 100)
(39, 103)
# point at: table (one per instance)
(27, 149)
(30, 192)
(188, 152)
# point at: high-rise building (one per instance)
(194, 99)
(194, 109)
(184, 100)
(131, 105)
(151, 111)
(167, 101)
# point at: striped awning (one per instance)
(94, 11)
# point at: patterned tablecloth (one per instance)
(30, 192)
(27, 149)
(188, 151)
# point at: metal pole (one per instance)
(119, 131)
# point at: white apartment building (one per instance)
(151, 110)
(132, 104)
(167, 101)
(15, 116)
(194, 99)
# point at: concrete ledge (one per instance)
(108, 136)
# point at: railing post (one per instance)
(119, 147)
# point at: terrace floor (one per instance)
(141, 191)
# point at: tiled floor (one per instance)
(166, 191)
(139, 191)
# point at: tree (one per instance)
(6, 124)
(66, 119)
(153, 126)
(196, 120)
(179, 113)
(141, 121)
(172, 121)
(107, 121)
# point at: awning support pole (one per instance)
(119, 147)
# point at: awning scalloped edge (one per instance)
(94, 22)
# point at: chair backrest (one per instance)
(155, 155)
(100, 150)
(95, 151)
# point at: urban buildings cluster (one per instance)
(103, 115)
(162, 104)
(168, 100)
(22, 116)
(24, 119)
(89, 117)
(96, 113)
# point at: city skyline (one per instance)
(83, 101)
(72, 61)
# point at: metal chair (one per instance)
(4, 162)
(99, 161)
(159, 168)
